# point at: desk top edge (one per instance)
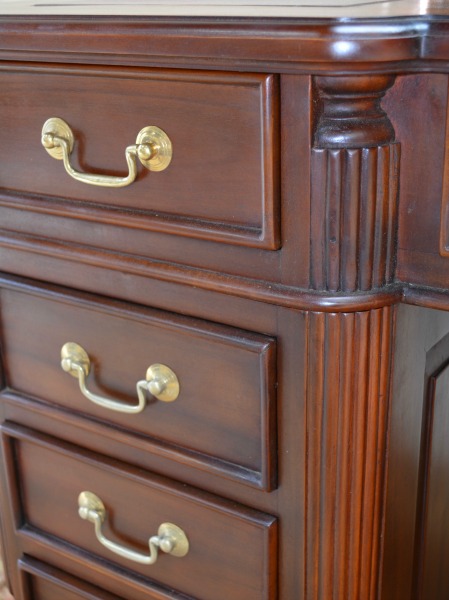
(329, 9)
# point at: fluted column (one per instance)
(354, 196)
(354, 186)
(347, 411)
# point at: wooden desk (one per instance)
(290, 266)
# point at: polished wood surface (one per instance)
(232, 372)
(302, 296)
(44, 582)
(196, 196)
(262, 45)
(349, 365)
(217, 530)
(410, 462)
(432, 576)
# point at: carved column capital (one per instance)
(354, 185)
(350, 114)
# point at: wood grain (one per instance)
(354, 186)
(432, 548)
(217, 530)
(220, 156)
(349, 358)
(227, 376)
(43, 582)
(423, 143)
(271, 283)
(354, 218)
(415, 365)
(260, 46)
(350, 112)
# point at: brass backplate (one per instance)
(160, 141)
(76, 354)
(167, 378)
(89, 502)
(59, 128)
(178, 537)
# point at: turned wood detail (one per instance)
(354, 186)
(347, 414)
(349, 112)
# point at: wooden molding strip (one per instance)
(251, 289)
(282, 295)
(216, 43)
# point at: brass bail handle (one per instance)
(160, 381)
(170, 538)
(153, 147)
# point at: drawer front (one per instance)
(43, 582)
(224, 416)
(221, 183)
(231, 548)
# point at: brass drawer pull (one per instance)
(153, 147)
(161, 382)
(170, 538)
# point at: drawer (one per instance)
(43, 582)
(224, 417)
(221, 183)
(229, 550)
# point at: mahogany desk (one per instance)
(260, 290)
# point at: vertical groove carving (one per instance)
(347, 414)
(354, 186)
(353, 217)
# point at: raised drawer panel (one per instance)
(221, 184)
(232, 549)
(432, 558)
(224, 418)
(43, 582)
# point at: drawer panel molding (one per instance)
(222, 183)
(215, 567)
(224, 418)
(444, 219)
(43, 582)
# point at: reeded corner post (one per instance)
(354, 197)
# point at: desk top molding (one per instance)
(347, 275)
(318, 46)
(339, 9)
